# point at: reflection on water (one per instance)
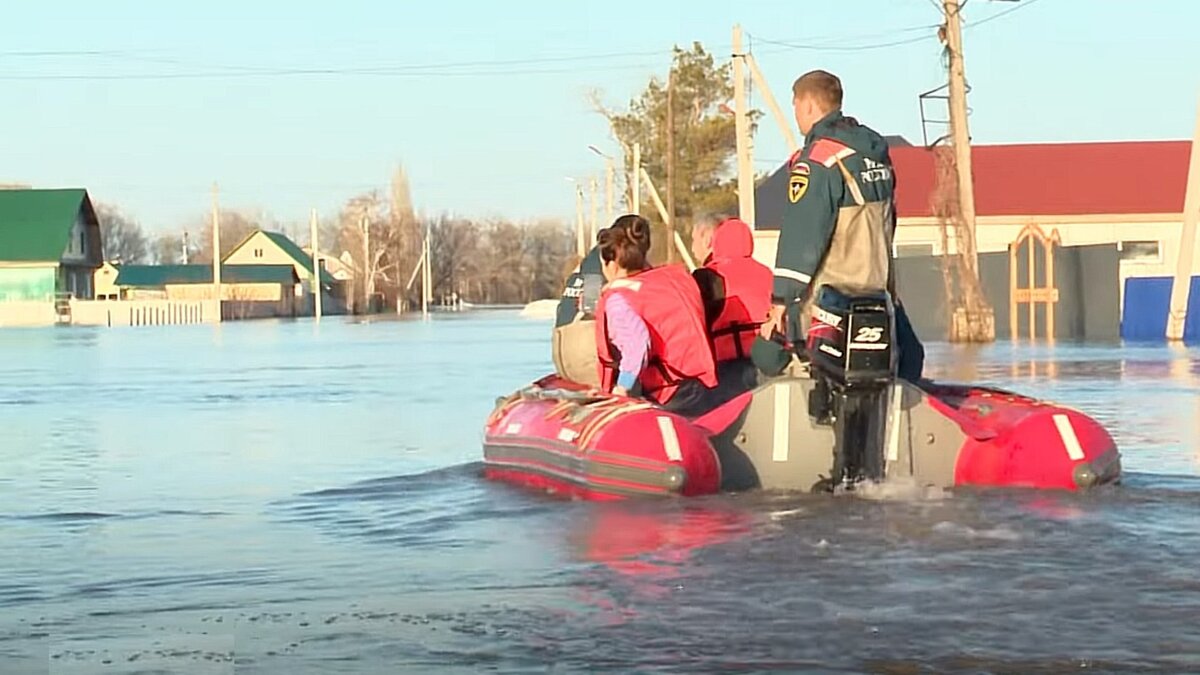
(279, 497)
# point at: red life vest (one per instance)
(667, 299)
(747, 290)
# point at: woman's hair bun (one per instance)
(639, 231)
(635, 228)
(627, 242)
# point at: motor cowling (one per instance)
(850, 338)
(850, 345)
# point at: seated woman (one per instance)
(650, 327)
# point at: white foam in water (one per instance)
(780, 515)
(999, 533)
(900, 490)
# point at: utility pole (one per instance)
(742, 123)
(609, 178)
(316, 270)
(365, 226)
(684, 254)
(580, 237)
(1181, 287)
(959, 131)
(595, 205)
(635, 180)
(427, 276)
(671, 165)
(216, 250)
(979, 319)
(975, 322)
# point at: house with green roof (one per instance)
(247, 291)
(49, 250)
(275, 248)
(49, 245)
(164, 276)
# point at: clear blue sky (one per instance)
(498, 139)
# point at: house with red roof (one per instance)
(1126, 193)
(1129, 193)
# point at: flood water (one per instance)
(278, 497)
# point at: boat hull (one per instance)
(600, 448)
(562, 438)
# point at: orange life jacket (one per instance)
(747, 290)
(668, 301)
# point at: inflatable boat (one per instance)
(833, 420)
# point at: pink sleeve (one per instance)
(630, 336)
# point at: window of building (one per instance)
(258, 253)
(1140, 251)
(912, 250)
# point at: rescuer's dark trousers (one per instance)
(693, 399)
(912, 352)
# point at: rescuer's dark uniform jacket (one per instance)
(838, 226)
(582, 289)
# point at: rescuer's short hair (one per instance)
(823, 86)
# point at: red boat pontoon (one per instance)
(835, 421)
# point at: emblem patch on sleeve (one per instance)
(797, 186)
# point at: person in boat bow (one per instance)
(581, 290)
(736, 290)
(650, 330)
(840, 217)
(573, 344)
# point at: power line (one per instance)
(478, 68)
(39, 53)
(1023, 4)
(323, 72)
(208, 70)
(833, 44)
(387, 69)
(894, 43)
(850, 48)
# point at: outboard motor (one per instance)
(850, 347)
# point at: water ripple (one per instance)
(269, 496)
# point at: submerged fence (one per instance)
(142, 312)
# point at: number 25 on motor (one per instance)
(869, 334)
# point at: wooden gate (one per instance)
(1027, 291)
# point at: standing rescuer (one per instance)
(840, 218)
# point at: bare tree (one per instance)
(456, 254)
(367, 235)
(235, 227)
(167, 249)
(548, 244)
(121, 235)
